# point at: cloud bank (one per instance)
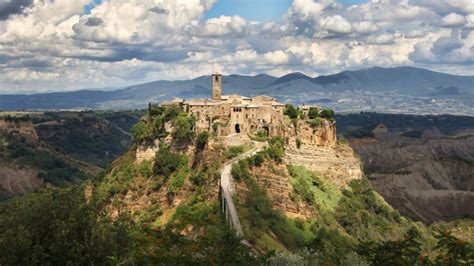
(55, 45)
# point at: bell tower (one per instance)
(216, 86)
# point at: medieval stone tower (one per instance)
(216, 87)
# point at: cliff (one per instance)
(429, 178)
(20, 126)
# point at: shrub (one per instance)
(215, 126)
(240, 170)
(316, 122)
(59, 227)
(258, 159)
(276, 149)
(183, 125)
(201, 140)
(177, 181)
(327, 113)
(233, 152)
(141, 132)
(313, 113)
(167, 162)
(198, 178)
(157, 110)
(171, 113)
(290, 111)
(145, 169)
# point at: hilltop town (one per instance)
(257, 116)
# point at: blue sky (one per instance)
(62, 45)
(259, 10)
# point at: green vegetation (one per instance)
(316, 122)
(60, 227)
(313, 113)
(327, 114)
(168, 162)
(261, 136)
(51, 166)
(276, 149)
(314, 190)
(290, 111)
(142, 132)
(359, 133)
(87, 137)
(201, 140)
(352, 226)
(183, 127)
(233, 152)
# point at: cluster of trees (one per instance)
(51, 167)
(315, 115)
(60, 227)
(182, 124)
(90, 138)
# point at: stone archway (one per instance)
(237, 128)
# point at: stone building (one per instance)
(227, 114)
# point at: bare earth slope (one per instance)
(428, 178)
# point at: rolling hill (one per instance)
(399, 82)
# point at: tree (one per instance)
(156, 110)
(327, 113)
(171, 113)
(290, 111)
(201, 140)
(313, 112)
(168, 162)
(453, 251)
(183, 125)
(59, 227)
(141, 132)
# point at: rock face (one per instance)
(18, 180)
(275, 181)
(146, 152)
(337, 164)
(308, 136)
(23, 127)
(428, 178)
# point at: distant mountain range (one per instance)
(372, 86)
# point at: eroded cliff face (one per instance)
(336, 163)
(310, 136)
(276, 182)
(428, 178)
(22, 127)
(18, 180)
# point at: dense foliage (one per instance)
(290, 111)
(59, 227)
(52, 167)
(88, 138)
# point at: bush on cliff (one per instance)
(168, 162)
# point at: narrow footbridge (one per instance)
(227, 202)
